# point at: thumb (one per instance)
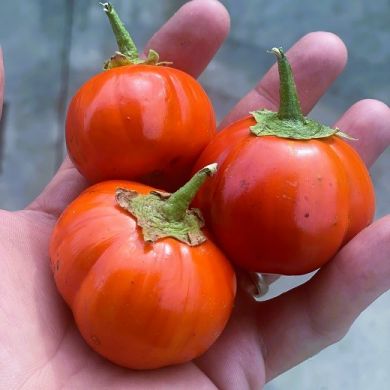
(65, 186)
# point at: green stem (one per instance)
(125, 43)
(176, 206)
(289, 121)
(289, 107)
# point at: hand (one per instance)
(40, 346)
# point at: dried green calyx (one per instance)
(128, 52)
(161, 214)
(289, 121)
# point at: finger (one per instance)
(65, 186)
(316, 59)
(305, 320)
(1, 81)
(368, 121)
(192, 36)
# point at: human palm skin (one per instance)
(40, 347)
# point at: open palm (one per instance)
(40, 346)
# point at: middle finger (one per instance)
(316, 59)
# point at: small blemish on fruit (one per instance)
(95, 340)
(174, 161)
(307, 215)
(244, 185)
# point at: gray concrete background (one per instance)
(52, 46)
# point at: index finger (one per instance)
(192, 36)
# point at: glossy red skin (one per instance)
(140, 122)
(141, 306)
(283, 206)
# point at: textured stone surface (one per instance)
(32, 55)
(52, 46)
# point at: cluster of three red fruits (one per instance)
(278, 192)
